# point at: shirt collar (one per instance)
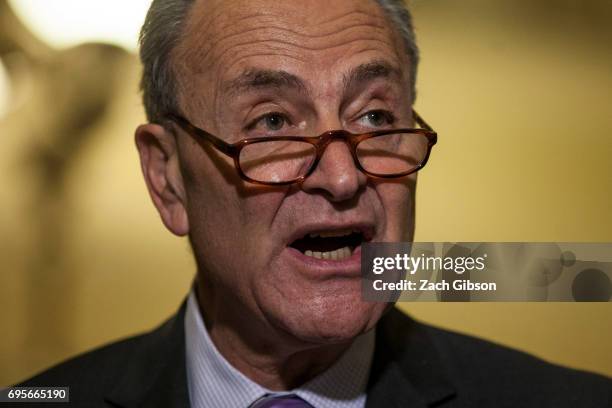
(214, 382)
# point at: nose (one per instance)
(336, 175)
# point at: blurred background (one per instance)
(519, 92)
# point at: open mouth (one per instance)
(331, 245)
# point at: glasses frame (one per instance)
(320, 143)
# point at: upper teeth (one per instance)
(335, 255)
(330, 234)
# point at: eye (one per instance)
(273, 121)
(377, 118)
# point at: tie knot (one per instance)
(282, 401)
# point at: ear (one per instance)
(160, 166)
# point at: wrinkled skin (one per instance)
(274, 318)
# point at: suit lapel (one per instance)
(155, 375)
(407, 370)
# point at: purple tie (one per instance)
(283, 401)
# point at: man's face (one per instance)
(259, 67)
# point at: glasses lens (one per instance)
(394, 153)
(276, 161)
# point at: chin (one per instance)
(331, 319)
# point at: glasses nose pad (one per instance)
(335, 171)
(334, 139)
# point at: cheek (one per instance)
(232, 243)
(230, 225)
(218, 204)
(397, 199)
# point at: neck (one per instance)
(273, 359)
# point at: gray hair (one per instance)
(161, 33)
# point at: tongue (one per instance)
(327, 244)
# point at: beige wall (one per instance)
(518, 92)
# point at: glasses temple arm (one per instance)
(420, 121)
(223, 146)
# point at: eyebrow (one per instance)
(256, 79)
(362, 74)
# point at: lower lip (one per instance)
(347, 267)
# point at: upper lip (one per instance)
(365, 228)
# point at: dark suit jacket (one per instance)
(415, 366)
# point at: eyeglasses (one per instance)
(284, 160)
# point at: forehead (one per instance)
(222, 38)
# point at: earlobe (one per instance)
(160, 167)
